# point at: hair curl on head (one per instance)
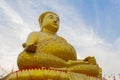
(41, 17)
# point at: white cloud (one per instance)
(11, 13)
(72, 28)
(11, 37)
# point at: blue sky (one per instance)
(91, 26)
(103, 15)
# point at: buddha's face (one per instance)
(50, 22)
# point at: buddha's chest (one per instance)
(46, 36)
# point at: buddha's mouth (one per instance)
(52, 27)
(55, 24)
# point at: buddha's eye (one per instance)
(50, 16)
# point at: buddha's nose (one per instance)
(55, 21)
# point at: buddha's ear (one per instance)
(40, 20)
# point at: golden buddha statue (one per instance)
(48, 44)
(46, 50)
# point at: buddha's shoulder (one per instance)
(61, 38)
(37, 34)
(34, 33)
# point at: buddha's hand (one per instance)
(31, 48)
(90, 59)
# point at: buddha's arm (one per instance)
(86, 66)
(87, 60)
(30, 44)
(32, 38)
(72, 62)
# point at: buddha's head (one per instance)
(49, 22)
